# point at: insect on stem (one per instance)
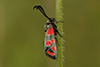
(51, 31)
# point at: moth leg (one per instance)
(57, 41)
(59, 33)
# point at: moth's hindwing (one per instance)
(50, 43)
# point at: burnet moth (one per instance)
(51, 31)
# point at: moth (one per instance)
(51, 31)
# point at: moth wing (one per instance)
(50, 43)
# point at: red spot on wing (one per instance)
(53, 48)
(50, 53)
(52, 40)
(50, 31)
(48, 43)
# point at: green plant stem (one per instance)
(58, 18)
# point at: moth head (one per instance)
(52, 20)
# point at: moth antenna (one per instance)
(41, 10)
(34, 7)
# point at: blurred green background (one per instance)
(22, 33)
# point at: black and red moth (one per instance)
(50, 35)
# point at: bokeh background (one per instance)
(22, 33)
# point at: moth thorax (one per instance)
(48, 24)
